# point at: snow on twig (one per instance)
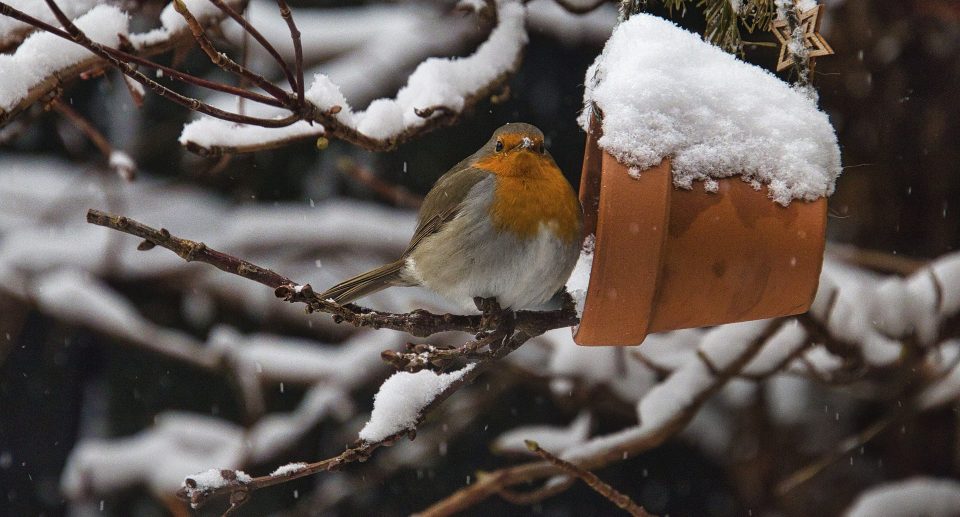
(13, 31)
(49, 58)
(436, 94)
(398, 404)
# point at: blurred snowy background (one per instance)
(123, 371)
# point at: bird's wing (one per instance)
(444, 200)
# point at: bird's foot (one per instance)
(505, 326)
(496, 321)
(490, 310)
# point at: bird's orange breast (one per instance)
(530, 192)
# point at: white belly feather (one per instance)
(467, 258)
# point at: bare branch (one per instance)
(628, 443)
(123, 61)
(223, 61)
(611, 494)
(297, 47)
(395, 194)
(123, 169)
(252, 31)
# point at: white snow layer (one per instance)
(928, 497)
(436, 82)
(209, 480)
(579, 279)
(42, 54)
(398, 403)
(171, 22)
(664, 92)
(11, 29)
(289, 469)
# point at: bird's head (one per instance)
(516, 149)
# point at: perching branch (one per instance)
(501, 341)
(419, 323)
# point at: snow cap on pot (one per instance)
(704, 185)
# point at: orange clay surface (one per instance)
(668, 258)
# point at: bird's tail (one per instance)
(367, 283)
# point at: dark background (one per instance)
(891, 92)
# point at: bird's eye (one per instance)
(499, 145)
(541, 148)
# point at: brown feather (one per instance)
(366, 283)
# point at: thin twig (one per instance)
(361, 450)
(396, 194)
(493, 482)
(222, 60)
(84, 126)
(251, 30)
(78, 36)
(121, 163)
(61, 76)
(297, 47)
(616, 497)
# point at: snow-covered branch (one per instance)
(437, 93)
(49, 58)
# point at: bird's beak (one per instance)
(527, 143)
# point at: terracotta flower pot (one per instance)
(668, 258)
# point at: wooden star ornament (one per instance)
(809, 23)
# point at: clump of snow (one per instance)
(579, 279)
(664, 92)
(11, 29)
(435, 82)
(178, 444)
(929, 497)
(212, 133)
(840, 305)
(209, 480)
(398, 403)
(289, 469)
(783, 345)
(123, 164)
(947, 388)
(42, 54)
(172, 22)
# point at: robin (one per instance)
(502, 224)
